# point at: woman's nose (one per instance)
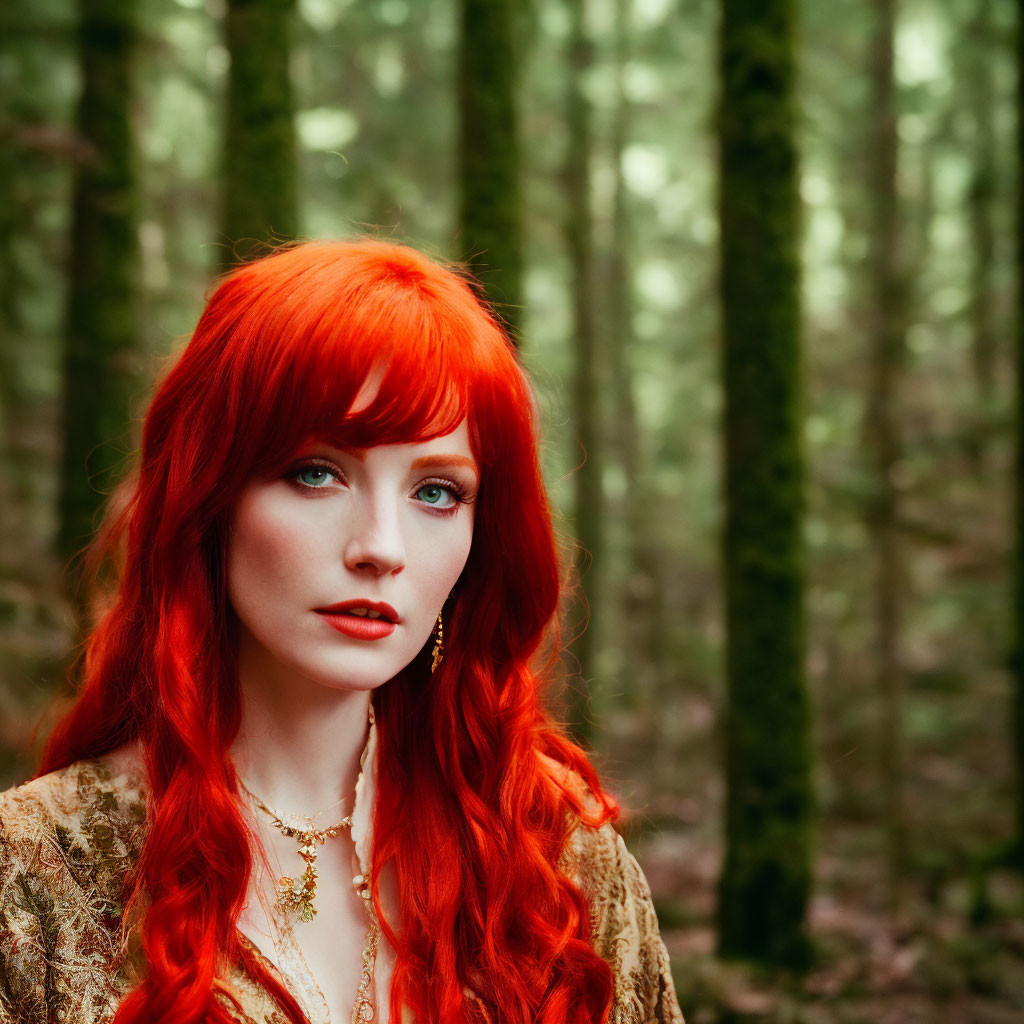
(376, 544)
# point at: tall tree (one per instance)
(888, 304)
(640, 599)
(259, 161)
(101, 363)
(490, 221)
(589, 497)
(766, 877)
(620, 291)
(11, 324)
(1017, 621)
(981, 201)
(624, 439)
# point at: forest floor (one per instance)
(926, 965)
(953, 953)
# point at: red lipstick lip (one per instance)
(358, 627)
(386, 611)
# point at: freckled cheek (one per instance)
(269, 547)
(440, 561)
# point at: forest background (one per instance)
(727, 236)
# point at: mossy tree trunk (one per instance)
(640, 597)
(1017, 621)
(589, 496)
(12, 402)
(101, 346)
(888, 304)
(620, 288)
(766, 877)
(624, 437)
(490, 220)
(259, 159)
(981, 202)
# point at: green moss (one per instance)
(766, 878)
(1016, 653)
(101, 362)
(259, 164)
(588, 501)
(490, 232)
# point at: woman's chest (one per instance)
(329, 963)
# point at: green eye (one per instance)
(431, 494)
(313, 476)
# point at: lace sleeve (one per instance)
(625, 929)
(60, 914)
(22, 952)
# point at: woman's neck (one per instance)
(299, 743)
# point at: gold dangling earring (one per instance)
(437, 655)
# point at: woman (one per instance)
(333, 571)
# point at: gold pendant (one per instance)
(290, 897)
(300, 898)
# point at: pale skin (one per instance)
(381, 524)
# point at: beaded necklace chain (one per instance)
(293, 897)
(289, 895)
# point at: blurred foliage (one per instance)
(374, 85)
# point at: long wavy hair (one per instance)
(479, 789)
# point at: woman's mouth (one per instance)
(361, 618)
(358, 626)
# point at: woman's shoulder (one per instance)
(67, 840)
(111, 786)
(598, 861)
(595, 856)
(624, 925)
(85, 820)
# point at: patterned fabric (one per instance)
(68, 839)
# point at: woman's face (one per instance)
(385, 529)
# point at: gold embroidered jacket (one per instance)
(68, 839)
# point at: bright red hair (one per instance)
(465, 756)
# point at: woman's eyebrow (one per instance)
(423, 462)
(435, 461)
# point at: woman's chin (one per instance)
(352, 676)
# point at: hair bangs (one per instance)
(356, 349)
(417, 386)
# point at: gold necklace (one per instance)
(362, 1010)
(290, 896)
